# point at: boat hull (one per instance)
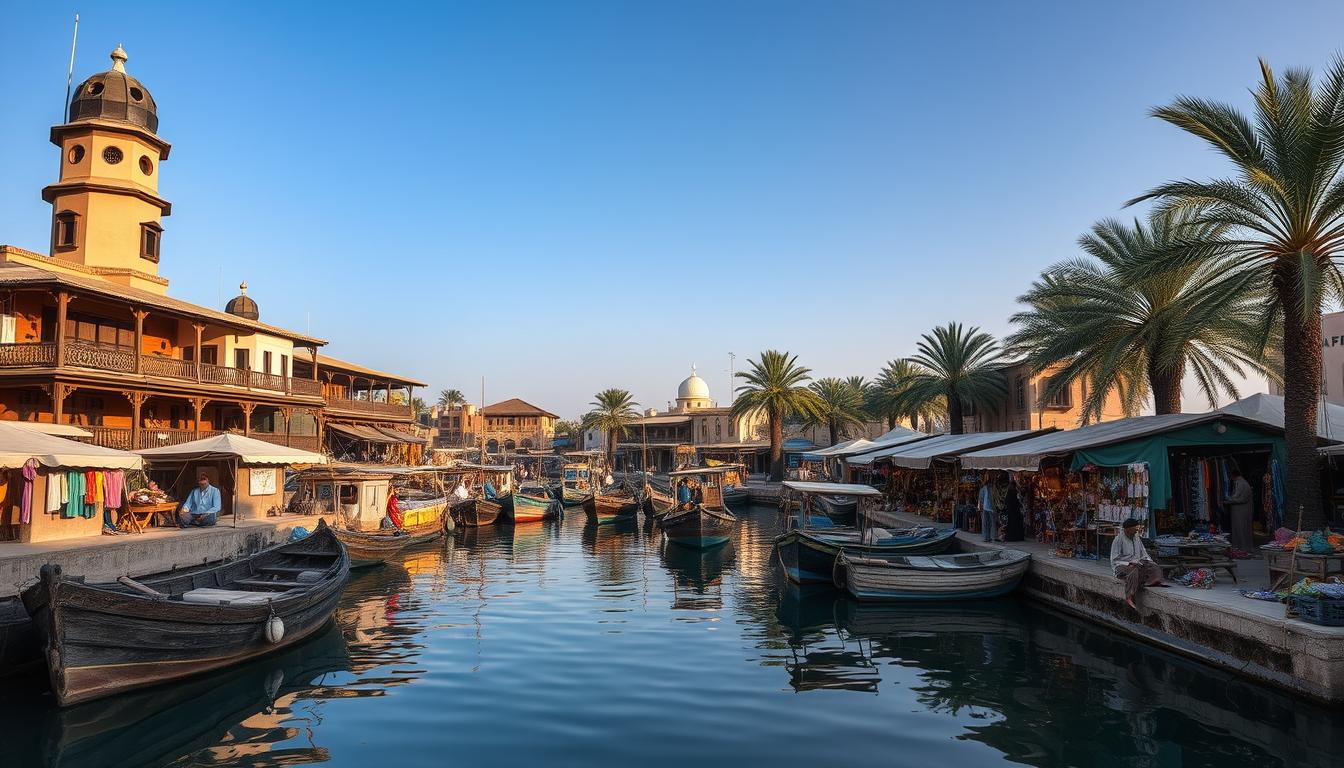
(532, 509)
(372, 548)
(472, 513)
(699, 527)
(841, 511)
(609, 509)
(426, 523)
(871, 579)
(810, 557)
(102, 640)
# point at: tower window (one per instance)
(66, 231)
(76, 153)
(137, 94)
(146, 165)
(112, 155)
(151, 235)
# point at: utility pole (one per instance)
(732, 378)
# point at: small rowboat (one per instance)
(368, 548)
(617, 505)
(809, 556)
(840, 509)
(470, 513)
(101, 639)
(970, 576)
(532, 504)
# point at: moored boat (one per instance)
(369, 548)
(704, 521)
(809, 556)
(101, 639)
(840, 509)
(478, 510)
(968, 576)
(358, 499)
(616, 504)
(532, 503)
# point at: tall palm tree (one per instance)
(887, 397)
(417, 408)
(613, 413)
(959, 370)
(1281, 215)
(451, 398)
(776, 386)
(840, 406)
(1114, 322)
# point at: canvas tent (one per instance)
(922, 454)
(879, 445)
(251, 465)
(245, 450)
(857, 445)
(18, 445)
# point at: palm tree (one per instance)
(1114, 322)
(451, 398)
(613, 412)
(1280, 215)
(417, 407)
(959, 370)
(887, 397)
(841, 406)
(776, 386)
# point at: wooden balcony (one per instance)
(121, 437)
(370, 407)
(100, 357)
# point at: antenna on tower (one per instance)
(70, 74)
(732, 380)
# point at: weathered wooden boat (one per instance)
(20, 647)
(576, 484)
(704, 522)
(422, 502)
(809, 556)
(969, 576)
(533, 503)
(479, 510)
(616, 504)
(369, 548)
(101, 639)
(470, 513)
(841, 509)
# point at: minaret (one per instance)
(105, 209)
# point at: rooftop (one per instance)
(324, 361)
(516, 407)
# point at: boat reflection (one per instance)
(265, 713)
(697, 574)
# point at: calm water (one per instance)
(569, 644)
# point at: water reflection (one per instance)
(592, 635)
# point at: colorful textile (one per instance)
(1273, 597)
(26, 500)
(90, 487)
(114, 488)
(1200, 578)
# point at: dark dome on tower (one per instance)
(114, 95)
(242, 305)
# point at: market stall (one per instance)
(246, 471)
(52, 488)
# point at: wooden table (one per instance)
(1196, 554)
(136, 517)
(1317, 567)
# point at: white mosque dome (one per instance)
(693, 388)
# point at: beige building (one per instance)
(1022, 409)
(504, 427)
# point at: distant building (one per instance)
(504, 427)
(1021, 407)
(695, 428)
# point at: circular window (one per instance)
(76, 153)
(95, 88)
(137, 94)
(112, 155)
(146, 165)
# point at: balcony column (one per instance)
(197, 403)
(137, 401)
(62, 302)
(139, 336)
(57, 402)
(198, 327)
(287, 413)
(388, 398)
(314, 348)
(247, 417)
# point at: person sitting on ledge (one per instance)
(202, 505)
(1131, 562)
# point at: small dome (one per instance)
(114, 95)
(693, 388)
(242, 305)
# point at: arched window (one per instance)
(492, 446)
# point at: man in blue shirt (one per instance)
(989, 520)
(202, 505)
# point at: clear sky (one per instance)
(564, 197)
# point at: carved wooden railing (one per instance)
(25, 355)
(218, 374)
(369, 406)
(266, 381)
(111, 437)
(153, 438)
(86, 355)
(168, 367)
(305, 387)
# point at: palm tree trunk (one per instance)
(891, 422)
(1301, 392)
(955, 421)
(833, 431)
(611, 449)
(776, 445)
(914, 422)
(1166, 386)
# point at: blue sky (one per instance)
(563, 197)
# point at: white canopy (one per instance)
(1028, 454)
(1268, 409)
(18, 445)
(832, 489)
(857, 445)
(881, 444)
(246, 450)
(60, 430)
(922, 454)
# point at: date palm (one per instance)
(887, 396)
(1280, 215)
(776, 386)
(840, 405)
(1113, 321)
(451, 398)
(959, 371)
(613, 413)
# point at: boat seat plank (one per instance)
(272, 584)
(211, 596)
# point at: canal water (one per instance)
(566, 643)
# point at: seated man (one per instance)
(1131, 562)
(683, 494)
(202, 505)
(489, 490)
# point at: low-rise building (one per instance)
(1021, 406)
(502, 427)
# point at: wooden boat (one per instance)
(470, 513)
(478, 510)
(369, 548)
(841, 509)
(20, 648)
(970, 576)
(101, 639)
(616, 504)
(532, 503)
(809, 556)
(576, 484)
(704, 522)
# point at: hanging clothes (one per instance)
(55, 487)
(26, 501)
(74, 491)
(114, 489)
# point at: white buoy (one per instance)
(275, 630)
